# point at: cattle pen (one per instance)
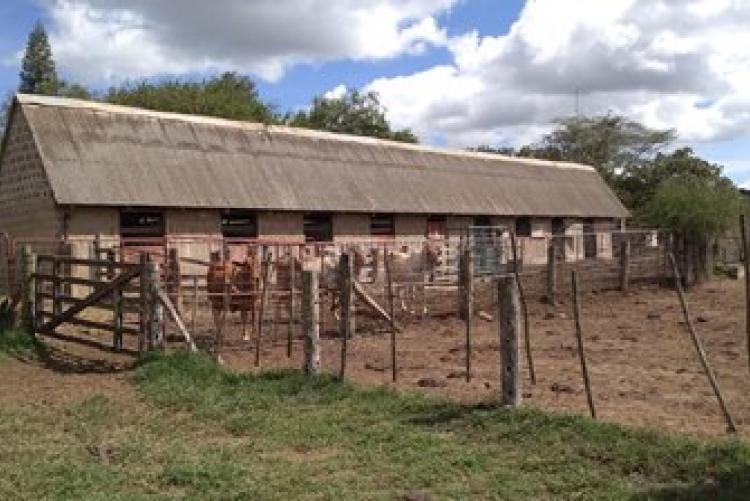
(425, 314)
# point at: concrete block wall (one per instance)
(27, 206)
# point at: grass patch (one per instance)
(18, 343)
(199, 432)
(332, 439)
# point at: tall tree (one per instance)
(38, 74)
(610, 143)
(354, 113)
(227, 96)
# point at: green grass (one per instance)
(18, 343)
(199, 432)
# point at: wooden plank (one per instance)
(164, 298)
(89, 300)
(368, 300)
(102, 263)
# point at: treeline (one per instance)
(228, 95)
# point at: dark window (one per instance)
(437, 227)
(141, 224)
(523, 227)
(318, 227)
(382, 225)
(558, 226)
(239, 224)
(483, 221)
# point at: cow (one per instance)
(232, 286)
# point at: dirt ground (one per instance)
(643, 367)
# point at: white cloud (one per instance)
(104, 40)
(670, 63)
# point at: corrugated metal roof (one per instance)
(100, 154)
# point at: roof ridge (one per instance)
(39, 100)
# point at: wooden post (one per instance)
(28, 268)
(552, 273)
(388, 263)
(467, 278)
(266, 268)
(625, 265)
(290, 330)
(699, 347)
(156, 316)
(117, 319)
(346, 297)
(746, 261)
(143, 315)
(310, 322)
(175, 277)
(579, 338)
(524, 309)
(508, 332)
(195, 303)
(56, 287)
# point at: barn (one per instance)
(76, 171)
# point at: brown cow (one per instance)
(232, 287)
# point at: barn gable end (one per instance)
(27, 204)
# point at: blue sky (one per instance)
(459, 72)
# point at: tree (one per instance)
(638, 183)
(38, 74)
(229, 96)
(610, 143)
(696, 209)
(507, 151)
(354, 113)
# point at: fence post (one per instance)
(625, 265)
(552, 273)
(509, 313)
(579, 340)
(56, 287)
(156, 313)
(310, 322)
(467, 306)
(746, 263)
(346, 272)
(292, 287)
(28, 268)
(116, 305)
(388, 265)
(175, 278)
(144, 308)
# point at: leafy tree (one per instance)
(355, 113)
(38, 74)
(697, 210)
(638, 183)
(229, 96)
(73, 90)
(610, 143)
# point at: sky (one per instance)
(458, 72)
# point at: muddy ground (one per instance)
(643, 367)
